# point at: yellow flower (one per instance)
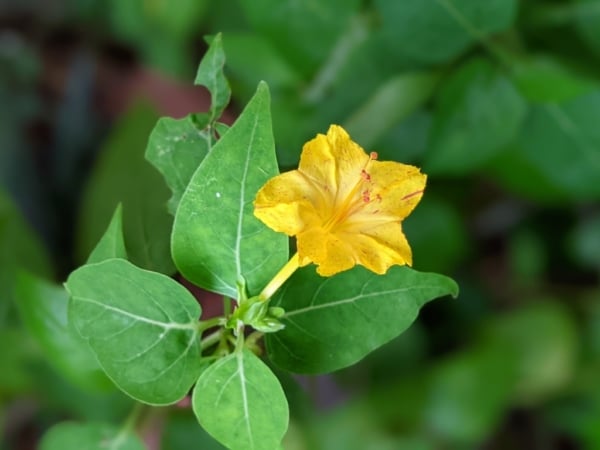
(343, 206)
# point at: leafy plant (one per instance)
(146, 331)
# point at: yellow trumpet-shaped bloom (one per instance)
(343, 206)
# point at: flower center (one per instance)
(359, 196)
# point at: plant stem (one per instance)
(129, 425)
(211, 339)
(285, 272)
(206, 324)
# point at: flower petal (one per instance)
(288, 203)
(334, 162)
(396, 189)
(330, 253)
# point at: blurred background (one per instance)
(497, 101)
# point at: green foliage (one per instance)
(112, 244)
(92, 436)
(225, 244)
(142, 327)
(373, 310)
(479, 113)
(498, 101)
(240, 402)
(319, 23)
(177, 146)
(123, 176)
(435, 31)
(43, 309)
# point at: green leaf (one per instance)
(435, 31)
(123, 176)
(544, 79)
(319, 24)
(331, 323)
(252, 58)
(478, 114)
(562, 140)
(141, 325)
(43, 309)
(112, 244)
(391, 103)
(176, 148)
(587, 22)
(437, 235)
(240, 402)
(217, 242)
(210, 74)
(89, 436)
(19, 248)
(469, 394)
(542, 337)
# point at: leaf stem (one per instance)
(129, 425)
(211, 339)
(285, 272)
(209, 323)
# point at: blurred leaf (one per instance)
(373, 308)
(239, 401)
(304, 32)
(19, 248)
(210, 74)
(588, 22)
(89, 436)
(390, 104)
(226, 245)
(252, 58)
(528, 257)
(15, 359)
(544, 79)
(469, 394)
(407, 141)
(141, 325)
(19, 245)
(435, 31)
(183, 429)
(478, 113)
(170, 23)
(584, 242)
(563, 141)
(437, 236)
(516, 173)
(122, 175)
(112, 244)
(355, 427)
(542, 337)
(43, 309)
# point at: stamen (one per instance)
(406, 197)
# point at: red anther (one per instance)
(365, 176)
(366, 197)
(378, 197)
